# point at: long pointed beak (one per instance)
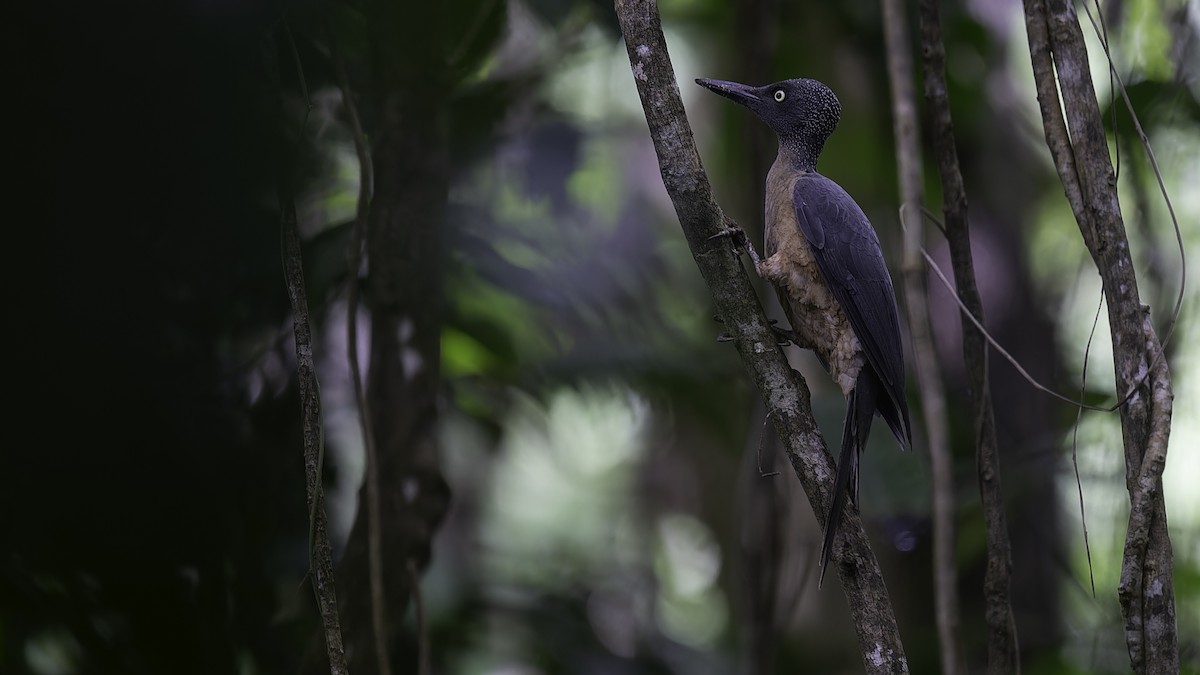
(734, 91)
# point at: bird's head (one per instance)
(802, 112)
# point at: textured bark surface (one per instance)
(785, 393)
(1060, 67)
(320, 553)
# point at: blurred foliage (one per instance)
(594, 431)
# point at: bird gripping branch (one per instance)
(824, 259)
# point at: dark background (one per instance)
(600, 446)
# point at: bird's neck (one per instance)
(800, 152)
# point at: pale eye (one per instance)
(780, 95)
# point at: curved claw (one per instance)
(733, 231)
(740, 242)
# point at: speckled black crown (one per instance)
(822, 109)
(805, 125)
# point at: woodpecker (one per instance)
(824, 259)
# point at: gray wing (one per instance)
(848, 254)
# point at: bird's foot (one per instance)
(740, 242)
(786, 336)
(734, 232)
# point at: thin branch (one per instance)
(1003, 654)
(1087, 545)
(1143, 598)
(320, 550)
(1057, 138)
(366, 183)
(1146, 588)
(929, 376)
(784, 392)
(936, 222)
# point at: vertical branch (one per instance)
(403, 291)
(320, 550)
(1146, 589)
(321, 553)
(784, 392)
(1002, 630)
(366, 183)
(929, 376)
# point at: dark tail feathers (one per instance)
(860, 411)
(895, 413)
